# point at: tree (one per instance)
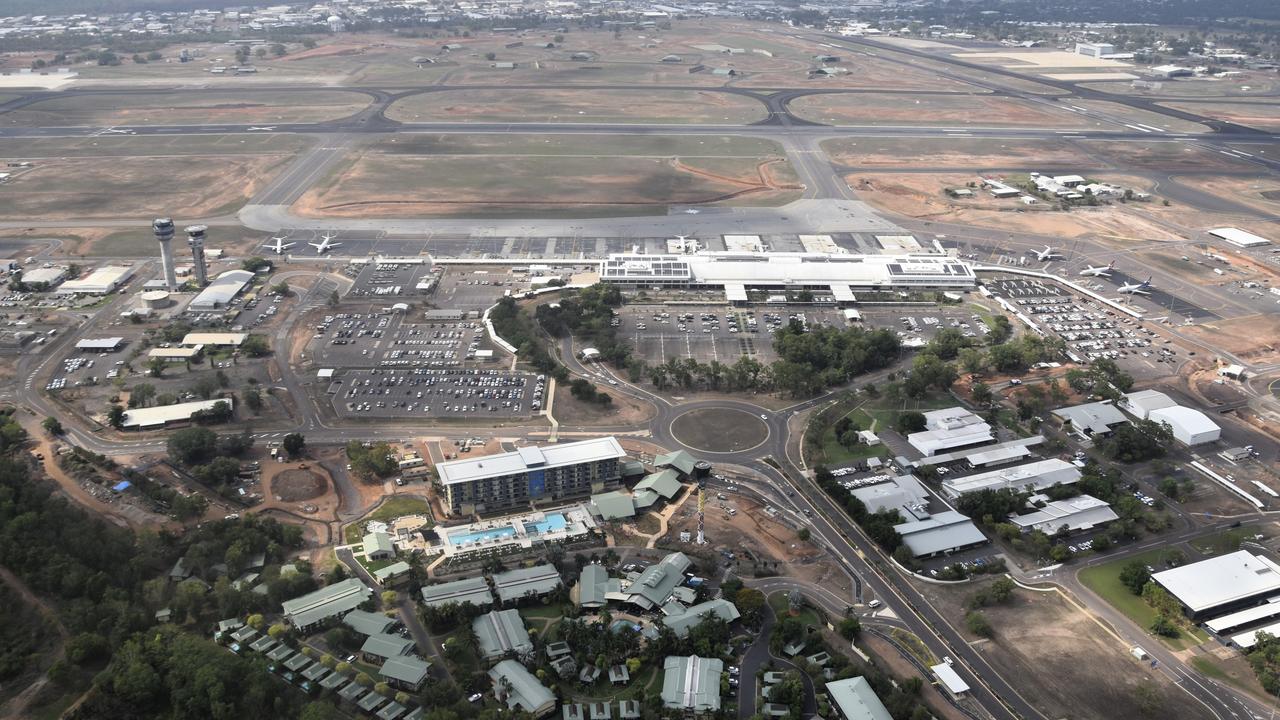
(978, 624)
(910, 422)
(1135, 576)
(389, 597)
(320, 711)
(255, 346)
(382, 689)
(294, 444)
(255, 621)
(849, 628)
(277, 631)
(982, 395)
(804, 534)
(1165, 627)
(52, 426)
(751, 603)
(280, 288)
(252, 398)
(261, 52)
(140, 395)
(342, 667)
(115, 416)
(254, 264)
(156, 366)
(363, 679)
(193, 445)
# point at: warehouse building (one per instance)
(657, 582)
(102, 281)
(47, 277)
(1222, 584)
(1190, 426)
(1083, 512)
(837, 275)
(1239, 238)
(853, 699)
(175, 354)
(691, 684)
(949, 429)
(1090, 420)
(214, 339)
(1140, 404)
(153, 418)
(221, 291)
(940, 534)
(1033, 476)
(100, 345)
(529, 475)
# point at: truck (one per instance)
(1139, 653)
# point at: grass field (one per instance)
(199, 176)
(586, 106)
(1104, 580)
(781, 608)
(556, 176)
(391, 508)
(188, 108)
(943, 110)
(1227, 541)
(137, 186)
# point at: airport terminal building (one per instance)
(838, 276)
(530, 475)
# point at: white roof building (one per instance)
(1190, 426)
(529, 458)
(159, 416)
(1231, 580)
(49, 276)
(839, 274)
(1238, 237)
(1083, 512)
(948, 429)
(1140, 404)
(1031, 476)
(221, 291)
(214, 338)
(99, 282)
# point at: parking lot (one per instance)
(390, 339)
(711, 332)
(1089, 330)
(389, 280)
(437, 393)
(918, 324)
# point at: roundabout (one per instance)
(719, 430)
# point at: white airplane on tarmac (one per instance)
(278, 245)
(1047, 254)
(324, 245)
(1104, 271)
(1142, 288)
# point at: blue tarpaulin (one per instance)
(122, 486)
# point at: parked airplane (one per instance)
(324, 245)
(1104, 271)
(1142, 288)
(278, 245)
(1047, 254)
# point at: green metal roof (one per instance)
(692, 683)
(664, 482)
(499, 632)
(679, 460)
(613, 505)
(523, 689)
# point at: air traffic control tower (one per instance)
(163, 228)
(195, 238)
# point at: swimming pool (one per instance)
(624, 625)
(551, 523)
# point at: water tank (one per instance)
(155, 299)
(701, 470)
